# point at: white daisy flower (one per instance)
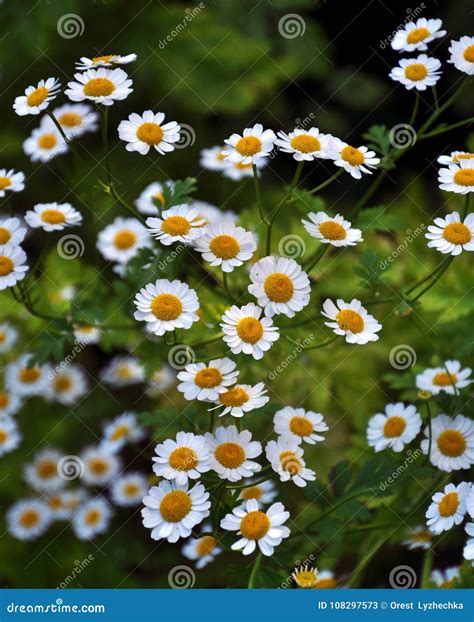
(213, 159)
(11, 231)
(254, 144)
(263, 492)
(12, 265)
(24, 380)
(123, 429)
(452, 442)
(304, 144)
(455, 157)
(10, 403)
(256, 527)
(416, 35)
(447, 508)
(305, 577)
(302, 425)
(8, 337)
(106, 60)
(394, 428)
(146, 202)
(213, 215)
(326, 580)
(45, 143)
(43, 472)
(102, 86)
(166, 305)
(462, 54)
(225, 245)
(470, 501)
(418, 538)
(351, 320)
(66, 385)
(128, 489)
(468, 551)
(354, 160)
(92, 518)
(238, 171)
(85, 334)
(180, 223)
(76, 119)
(241, 399)
(445, 578)
(100, 466)
(245, 332)
(11, 181)
(202, 550)
(172, 511)
(122, 239)
(161, 380)
(458, 178)
(64, 503)
(448, 378)
(53, 216)
(286, 458)
(123, 371)
(232, 453)
(417, 73)
(10, 436)
(450, 235)
(37, 98)
(28, 519)
(182, 459)
(147, 131)
(336, 230)
(205, 381)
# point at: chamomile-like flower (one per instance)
(448, 379)
(11, 181)
(122, 430)
(458, 178)
(245, 332)
(418, 538)
(451, 235)
(92, 519)
(25, 379)
(416, 35)
(151, 195)
(10, 436)
(354, 160)
(447, 508)
(241, 399)
(444, 579)
(336, 230)
(302, 425)
(326, 580)
(225, 245)
(45, 143)
(66, 385)
(232, 453)
(10, 403)
(122, 239)
(286, 458)
(249, 147)
(8, 336)
(172, 511)
(468, 551)
(180, 223)
(63, 504)
(462, 54)
(263, 492)
(213, 159)
(455, 157)
(44, 471)
(11, 231)
(451, 445)
(305, 577)
(123, 371)
(397, 426)
(53, 216)
(76, 119)
(85, 334)
(351, 320)
(128, 489)
(37, 98)
(417, 73)
(28, 519)
(99, 466)
(182, 459)
(212, 215)
(166, 305)
(147, 131)
(102, 86)
(256, 527)
(202, 550)
(238, 170)
(161, 380)
(105, 60)
(205, 381)
(304, 145)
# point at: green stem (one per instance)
(415, 108)
(323, 344)
(335, 507)
(465, 208)
(434, 281)
(255, 569)
(323, 185)
(255, 483)
(357, 575)
(105, 141)
(273, 215)
(435, 97)
(316, 257)
(447, 128)
(259, 196)
(428, 413)
(427, 277)
(427, 567)
(58, 126)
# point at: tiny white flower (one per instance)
(213, 215)
(286, 458)
(351, 320)
(67, 385)
(86, 334)
(37, 98)
(10, 436)
(43, 472)
(462, 54)
(447, 378)
(232, 453)
(445, 578)
(63, 504)
(417, 73)
(205, 381)
(161, 380)
(8, 336)
(25, 380)
(28, 519)
(305, 145)
(468, 551)
(100, 466)
(394, 428)
(147, 131)
(458, 177)
(76, 119)
(105, 60)
(92, 518)
(202, 550)
(154, 192)
(128, 489)
(180, 223)
(447, 508)
(213, 159)
(336, 230)
(11, 181)
(418, 538)
(123, 371)
(302, 425)
(416, 35)
(354, 160)
(45, 143)
(122, 239)
(123, 429)
(225, 245)
(241, 399)
(10, 404)
(182, 459)
(102, 86)
(452, 442)
(455, 157)
(254, 144)
(262, 492)
(245, 332)
(238, 170)
(53, 216)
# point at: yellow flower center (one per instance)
(4, 399)
(457, 232)
(290, 462)
(28, 375)
(443, 379)
(234, 397)
(5, 235)
(224, 246)
(92, 517)
(29, 519)
(47, 469)
(205, 545)
(464, 177)
(124, 372)
(37, 97)
(5, 182)
(175, 506)
(279, 287)
(243, 167)
(305, 143)
(208, 378)
(469, 54)
(350, 320)
(417, 35)
(301, 426)
(150, 133)
(326, 584)
(253, 492)
(70, 119)
(166, 307)
(183, 459)
(332, 230)
(63, 383)
(249, 329)
(230, 455)
(105, 59)
(416, 72)
(394, 427)
(159, 196)
(255, 525)
(448, 504)
(53, 216)
(47, 141)
(248, 145)
(6, 265)
(99, 87)
(451, 443)
(3, 436)
(463, 156)
(175, 225)
(119, 432)
(445, 585)
(306, 578)
(98, 466)
(354, 156)
(125, 239)
(422, 536)
(131, 490)
(55, 502)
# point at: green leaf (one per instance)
(378, 138)
(48, 346)
(378, 218)
(179, 192)
(340, 477)
(370, 269)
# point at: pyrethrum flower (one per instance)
(183, 459)
(232, 453)
(36, 98)
(448, 507)
(10, 403)
(10, 436)
(462, 54)
(241, 398)
(452, 442)
(256, 527)
(416, 35)
(254, 144)
(444, 579)
(351, 320)
(28, 519)
(161, 380)
(202, 550)
(468, 551)
(166, 305)
(245, 332)
(92, 519)
(226, 245)
(304, 144)
(213, 159)
(450, 235)
(100, 466)
(449, 378)
(102, 86)
(394, 428)
(45, 143)
(354, 160)
(63, 504)
(263, 492)
(286, 458)
(121, 240)
(76, 119)
(123, 371)
(146, 202)
(86, 334)
(11, 231)
(237, 170)
(105, 60)
(205, 381)
(147, 131)
(279, 285)
(172, 511)
(8, 336)
(25, 380)
(302, 425)
(43, 472)
(418, 538)
(129, 489)
(417, 73)
(53, 216)
(336, 230)
(458, 177)
(124, 429)
(305, 577)
(213, 215)
(11, 181)
(455, 157)
(180, 223)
